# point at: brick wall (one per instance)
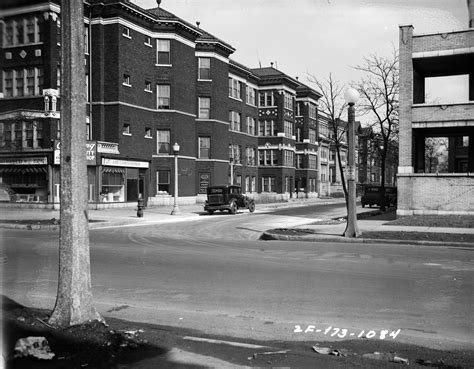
(443, 41)
(444, 113)
(435, 194)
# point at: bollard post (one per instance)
(140, 207)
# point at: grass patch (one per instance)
(455, 221)
(420, 236)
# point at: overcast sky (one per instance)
(317, 36)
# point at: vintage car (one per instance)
(373, 195)
(227, 197)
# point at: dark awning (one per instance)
(113, 170)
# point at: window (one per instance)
(288, 100)
(126, 129)
(147, 41)
(126, 80)
(266, 128)
(288, 158)
(234, 88)
(204, 107)
(163, 92)
(312, 135)
(204, 68)
(312, 111)
(126, 32)
(26, 134)
(267, 157)
(22, 82)
(235, 153)
(234, 119)
(163, 181)
(86, 39)
(268, 184)
(21, 31)
(299, 161)
(250, 153)
(299, 109)
(148, 132)
(312, 161)
(148, 86)
(251, 126)
(163, 53)
(288, 127)
(266, 98)
(299, 138)
(204, 147)
(163, 141)
(251, 96)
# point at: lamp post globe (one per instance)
(351, 95)
(175, 210)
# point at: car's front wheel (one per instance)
(233, 207)
(251, 206)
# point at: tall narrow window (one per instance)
(204, 147)
(204, 68)
(163, 56)
(8, 83)
(163, 96)
(20, 91)
(163, 141)
(234, 119)
(86, 39)
(204, 107)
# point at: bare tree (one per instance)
(379, 89)
(333, 104)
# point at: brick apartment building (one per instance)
(436, 161)
(152, 80)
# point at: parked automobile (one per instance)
(227, 197)
(373, 195)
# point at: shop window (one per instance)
(163, 181)
(113, 185)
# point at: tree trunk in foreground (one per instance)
(74, 297)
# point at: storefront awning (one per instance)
(23, 170)
(113, 170)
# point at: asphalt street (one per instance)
(214, 275)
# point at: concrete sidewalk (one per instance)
(333, 233)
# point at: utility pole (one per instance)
(74, 296)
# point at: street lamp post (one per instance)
(231, 160)
(175, 210)
(352, 230)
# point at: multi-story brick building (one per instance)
(152, 80)
(448, 188)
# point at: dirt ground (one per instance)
(121, 344)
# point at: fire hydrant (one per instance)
(140, 207)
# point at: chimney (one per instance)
(271, 64)
(470, 9)
(158, 2)
(198, 23)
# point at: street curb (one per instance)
(268, 236)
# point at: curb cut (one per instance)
(268, 236)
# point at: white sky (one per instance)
(317, 36)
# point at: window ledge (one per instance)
(235, 98)
(126, 84)
(147, 44)
(149, 91)
(126, 134)
(126, 36)
(149, 137)
(204, 80)
(163, 65)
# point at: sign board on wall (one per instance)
(25, 161)
(204, 182)
(125, 163)
(91, 152)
